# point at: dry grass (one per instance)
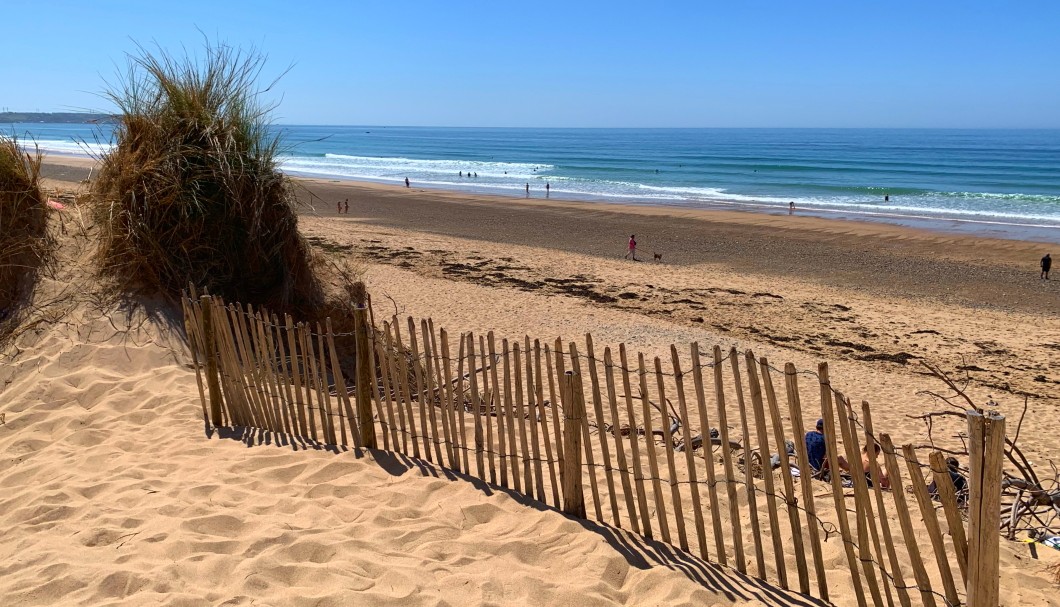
(24, 238)
(191, 191)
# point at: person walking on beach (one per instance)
(791, 208)
(346, 207)
(406, 182)
(528, 189)
(338, 207)
(632, 251)
(547, 188)
(1047, 262)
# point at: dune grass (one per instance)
(24, 239)
(191, 192)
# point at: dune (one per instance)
(115, 492)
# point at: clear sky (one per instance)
(734, 63)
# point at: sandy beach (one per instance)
(112, 493)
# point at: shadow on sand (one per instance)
(639, 552)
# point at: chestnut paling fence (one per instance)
(692, 450)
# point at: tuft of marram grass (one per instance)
(24, 239)
(191, 192)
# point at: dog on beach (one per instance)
(657, 256)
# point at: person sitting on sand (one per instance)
(885, 482)
(632, 247)
(1047, 262)
(960, 484)
(817, 451)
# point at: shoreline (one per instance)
(987, 227)
(871, 257)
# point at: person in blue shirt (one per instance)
(817, 450)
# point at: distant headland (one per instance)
(55, 117)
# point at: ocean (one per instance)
(1003, 182)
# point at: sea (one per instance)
(990, 182)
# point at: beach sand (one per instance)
(112, 494)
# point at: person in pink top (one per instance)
(632, 252)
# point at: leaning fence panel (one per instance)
(254, 372)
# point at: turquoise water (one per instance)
(985, 177)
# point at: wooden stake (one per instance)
(837, 483)
(285, 376)
(898, 491)
(620, 450)
(931, 521)
(450, 398)
(556, 428)
(986, 441)
(571, 470)
(791, 382)
(520, 416)
(539, 383)
(726, 458)
(885, 526)
(432, 409)
(794, 520)
(476, 406)
(586, 438)
(948, 496)
(403, 369)
(329, 413)
(399, 377)
(748, 476)
(690, 458)
(213, 381)
(490, 391)
(708, 455)
(276, 368)
(389, 391)
(765, 460)
(649, 445)
(296, 376)
(463, 409)
(598, 410)
(497, 398)
(509, 417)
(340, 388)
(634, 445)
(417, 372)
(862, 505)
(191, 331)
(534, 413)
(668, 437)
(430, 343)
(310, 378)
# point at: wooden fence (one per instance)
(695, 451)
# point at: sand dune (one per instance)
(113, 491)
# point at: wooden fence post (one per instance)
(986, 441)
(210, 353)
(573, 419)
(365, 378)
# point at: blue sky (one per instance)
(746, 63)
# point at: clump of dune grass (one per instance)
(190, 192)
(24, 239)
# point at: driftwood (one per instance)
(1028, 504)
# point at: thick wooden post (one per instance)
(573, 419)
(986, 441)
(210, 353)
(365, 379)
